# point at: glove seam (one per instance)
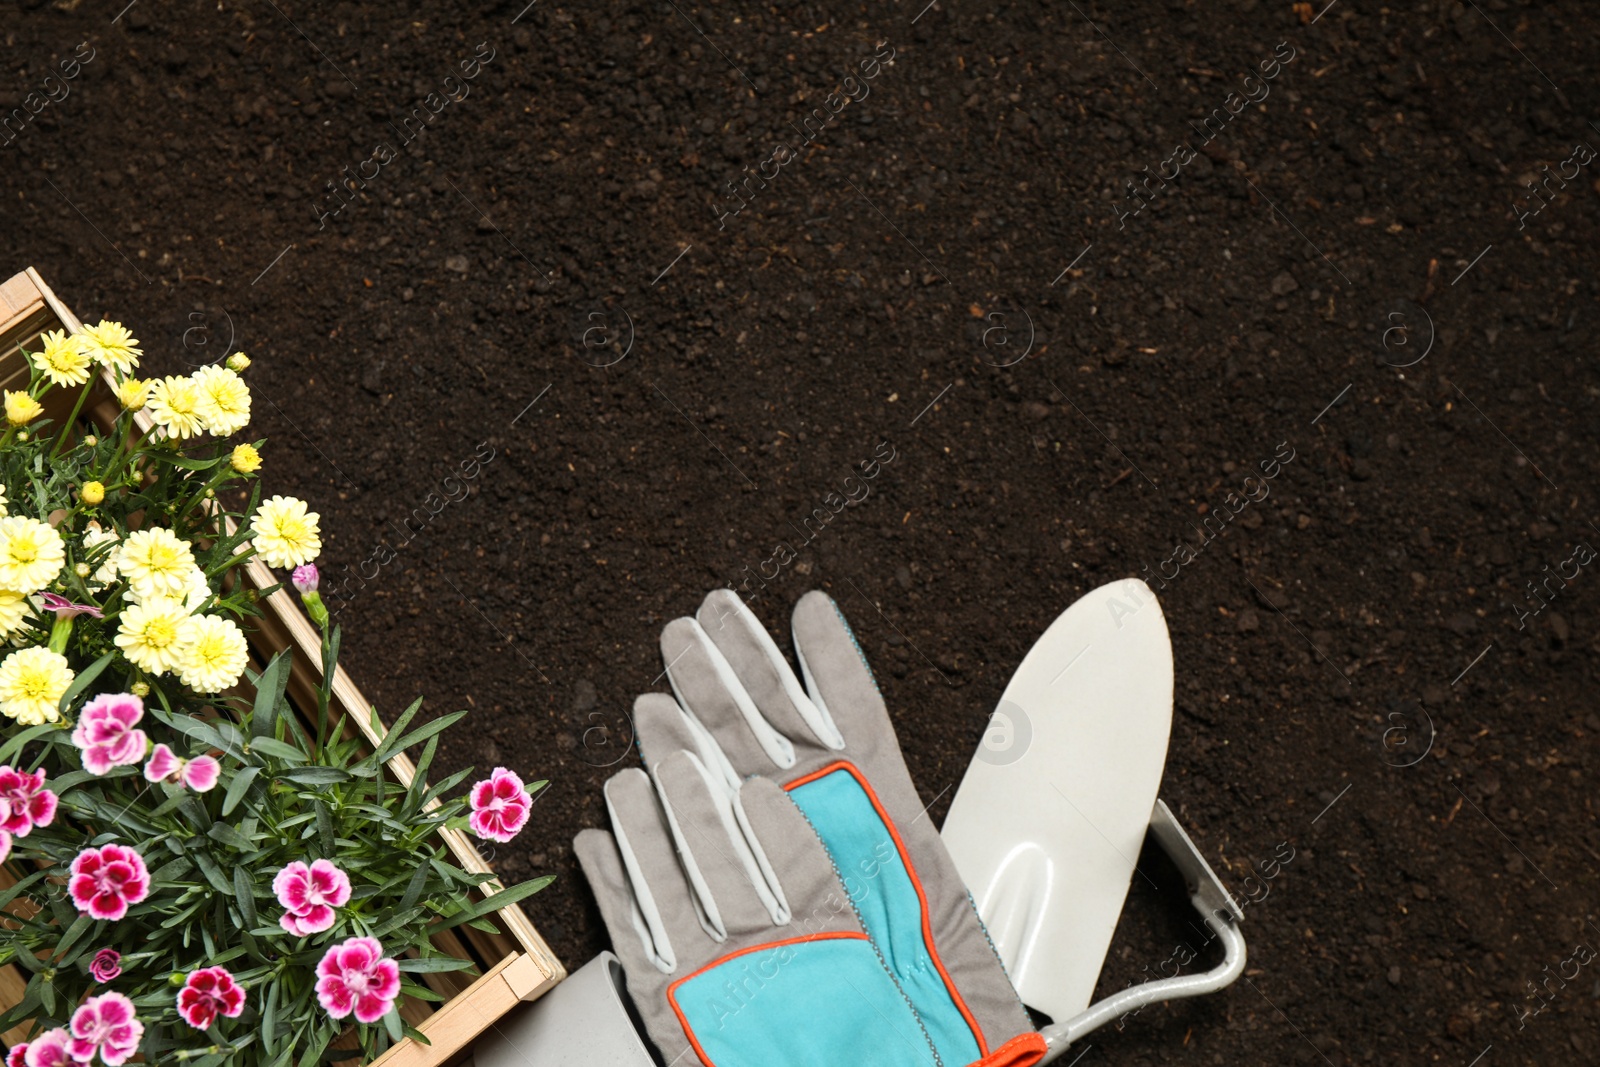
(876, 951)
(850, 633)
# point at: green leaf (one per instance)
(315, 775)
(502, 899)
(177, 459)
(397, 921)
(170, 870)
(26, 1009)
(441, 788)
(414, 887)
(209, 868)
(422, 733)
(411, 989)
(225, 833)
(203, 732)
(237, 789)
(9, 752)
(269, 1019)
(325, 835)
(271, 746)
(387, 748)
(82, 925)
(391, 1023)
(15, 891)
(434, 964)
(81, 682)
(244, 894)
(270, 685)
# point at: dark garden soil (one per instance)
(475, 297)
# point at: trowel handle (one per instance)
(1222, 916)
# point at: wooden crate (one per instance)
(516, 965)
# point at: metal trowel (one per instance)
(1048, 821)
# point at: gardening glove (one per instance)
(831, 746)
(706, 963)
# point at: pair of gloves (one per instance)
(773, 886)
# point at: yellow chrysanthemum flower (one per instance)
(112, 345)
(176, 405)
(64, 358)
(92, 493)
(133, 393)
(245, 459)
(31, 554)
(153, 633)
(285, 533)
(31, 683)
(13, 610)
(214, 656)
(21, 408)
(238, 361)
(155, 562)
(224, 400)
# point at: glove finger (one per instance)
(663, 727)
(717, 858)
(836, 673)
(764, 671)
(810, 883)
(709, 690)
(644, 840)
(608, 880)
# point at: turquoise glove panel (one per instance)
(871, 861)
(817, 1001)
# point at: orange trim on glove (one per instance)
(1024, 1050)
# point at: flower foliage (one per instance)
(204, 872)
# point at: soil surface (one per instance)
(1344, 281)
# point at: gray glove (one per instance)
(689, 880)
(831, 745)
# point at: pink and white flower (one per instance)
(354, 977)
(106, 732)
(500, 806)
(309, 895)
(106, 880)
(5, 839)
(66, 609)
(207, 993)
(49, 1049)
(105, 1024)
(106, 965)
(199, 774)
(29, 803)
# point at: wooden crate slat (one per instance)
(528, 968)
(516, 978)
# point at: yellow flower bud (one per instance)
(246, 460)
(139, 689)
(82, 570)
(133, 392)
(21, 408)
(92, 493)
(238, 362)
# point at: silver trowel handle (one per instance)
(1222, 916)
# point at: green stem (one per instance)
(60, 633)
(72, 420)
